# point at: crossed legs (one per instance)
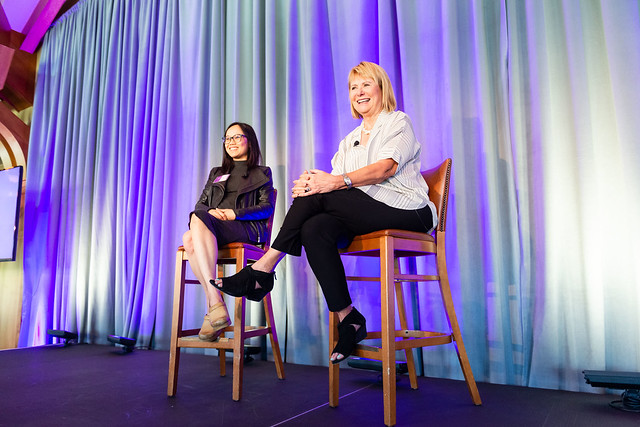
(322, 223)
(202, 248)
(306, 225)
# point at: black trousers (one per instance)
(322, 223)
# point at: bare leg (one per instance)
(343, 313)
(268, 261)
(202, 248)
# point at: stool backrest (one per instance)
(438, 181)
(267, 241)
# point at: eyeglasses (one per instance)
(237, 138)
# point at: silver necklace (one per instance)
(368, 131)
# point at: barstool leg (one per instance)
(334, 369)
(388, 319)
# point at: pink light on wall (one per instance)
(41, 24)
(18, 12)
(31, 18)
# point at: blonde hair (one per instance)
(369, 70)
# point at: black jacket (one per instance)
(255, 201)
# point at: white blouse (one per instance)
(392, 137)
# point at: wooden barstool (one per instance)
(390, 246)
(239, 254)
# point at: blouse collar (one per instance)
(382, 118)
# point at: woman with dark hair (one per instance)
(375, 184)
(235, 205)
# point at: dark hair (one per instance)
(254, 156)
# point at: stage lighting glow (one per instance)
(10, 192)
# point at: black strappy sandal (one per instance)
(243, 284)
(348, 336)
(265, 280)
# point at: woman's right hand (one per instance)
(223, 214)
(300, 185)
(315, 181)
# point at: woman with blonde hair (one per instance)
(375, 183)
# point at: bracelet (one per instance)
(347, 181)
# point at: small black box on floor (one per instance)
(617, 380)
(627, 381)
(66, 336)
(250, 350)
(375, 365)
(128, 343)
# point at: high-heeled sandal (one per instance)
(265, 280)
(219, 316)
(214, 322)
(243, 284)
(348, 336)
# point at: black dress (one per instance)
(248, 192)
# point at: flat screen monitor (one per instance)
(10, 193)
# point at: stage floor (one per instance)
(101, 385)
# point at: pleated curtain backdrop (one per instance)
(536, 102)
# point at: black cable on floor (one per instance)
(630, 401)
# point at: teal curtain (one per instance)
(535, 101)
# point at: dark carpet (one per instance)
(100, 385)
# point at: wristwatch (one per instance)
(347, 181)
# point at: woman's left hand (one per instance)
(314, 181)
